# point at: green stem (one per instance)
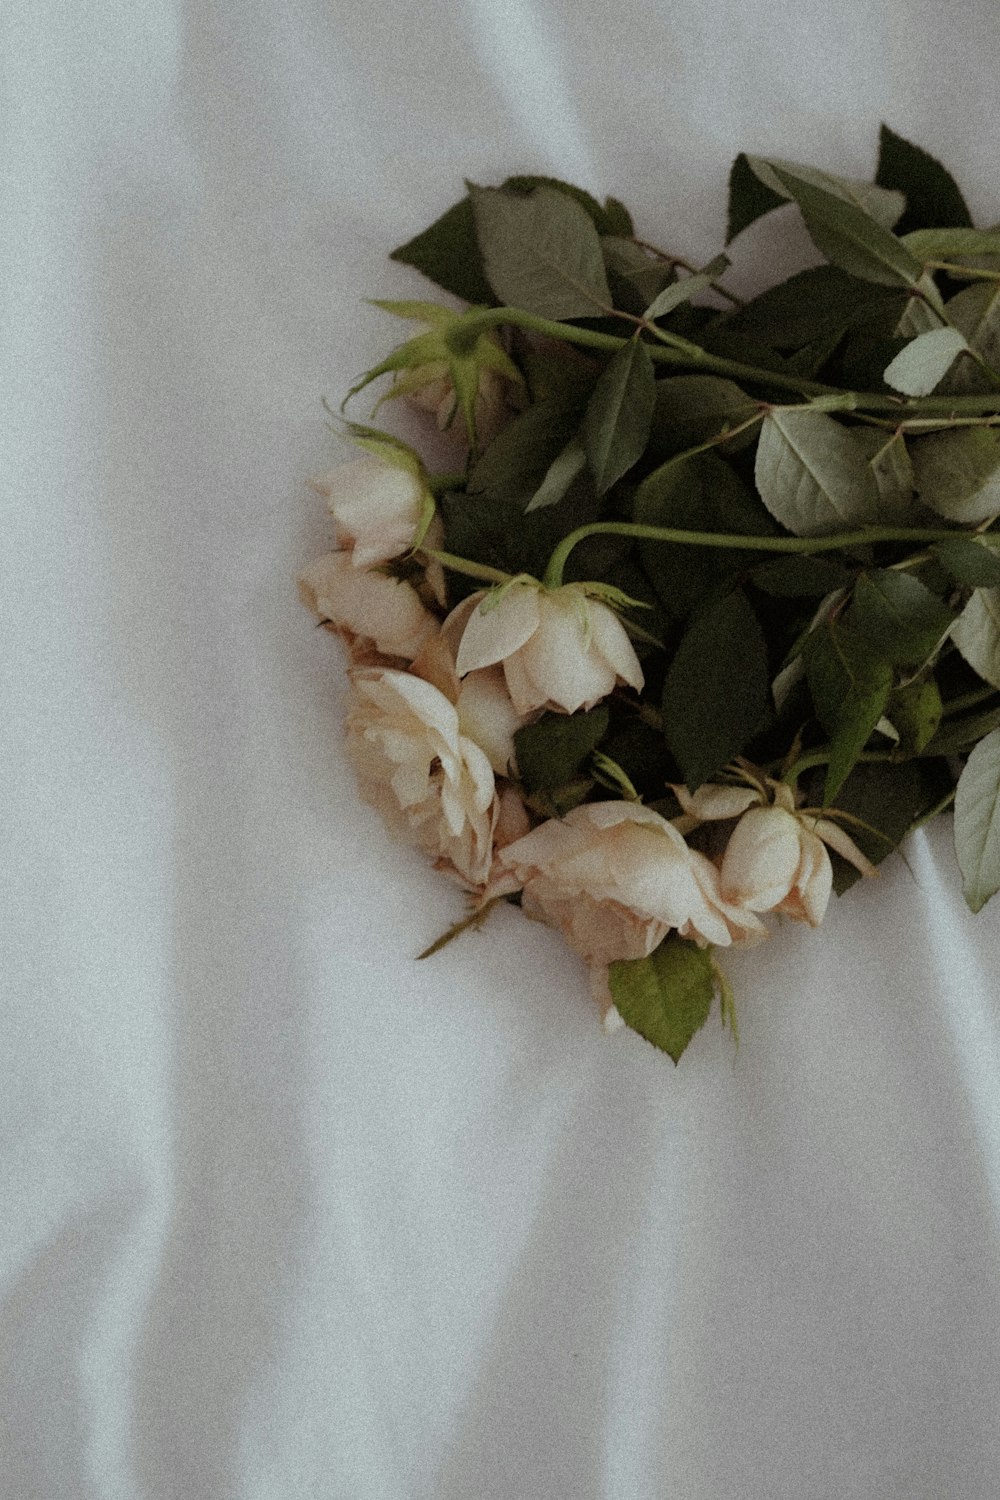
(938, 807)
(687, 356)
(821, 757)
(963, 273)
(808, 544)
(470, 569)
(440, 484)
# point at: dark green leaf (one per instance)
(914, 711)
(541, 252)
(807, 306)
(666, 997)
(513, 466)
(889, 799)
(973, 564)
(797, 577)
(900, 619)
(617, 218)
(561, 473)
(616, 427)
(932, 195)
(850, 688)
(748, 197)
(690, 409)
(551, 751)
(695, 494)
(448, 254)
(716, 693)
(849, 237)
(976, 312)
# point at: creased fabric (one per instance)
(287, 1215)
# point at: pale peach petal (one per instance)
(560, 657)
(761, 859)
(831, 833)
(496, 630)
(488, 716)
(611, 640)
(376, 507)
(384, 611)
(712, 803)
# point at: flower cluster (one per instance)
(710, 618)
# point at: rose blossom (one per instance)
(559, 649)
(776, 858)
(616, 877)
(431, 784)
(377, 507)
(432, 389)
(367, 608)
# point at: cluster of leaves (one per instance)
(835, 445)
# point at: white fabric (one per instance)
(286, 1214)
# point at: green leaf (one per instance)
(607, 220)
(799, 577)
(678, 293)
(973, 562)
(551, 751)
(696, 494)
(922, 313)
(957, 473)
(849, 238)
(850, 688)
(900, 619)
(716, 692)
(809, 306)
(892, 467)
(541, 252)
(666, 997)
(813, 474)
(976, 312)
(514, 465)
(749, 197)
(448, 254)
(976, 633)
(690, 409)
(888, 798)
(925, 361)
(932, 195)
(616, 427)
(915, 713)
(977, 822)
(879, 205)
(957, 246)
(560, 474)
(635, 276)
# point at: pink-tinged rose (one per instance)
(377, 507)
(432, 389)
(370, 610)
(616, 877)
(431, 784)
(558, 648)
(776, 860)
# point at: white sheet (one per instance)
(287, 1215)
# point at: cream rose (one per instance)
(559, 649)
(367, 608)
(377, 507)
(432, 389)
(616, 877)
(775, 859)
(431, 784)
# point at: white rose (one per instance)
(377, 507)
(559, 649)
(433, 787)
(486, 713)
(367, 608)
(616, 877)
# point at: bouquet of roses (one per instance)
(709, 617)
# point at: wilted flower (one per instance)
(369, 609)
(377, 506)
(616, 877)
(431, 784)
(559, 649)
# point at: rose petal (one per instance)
(498, 631)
